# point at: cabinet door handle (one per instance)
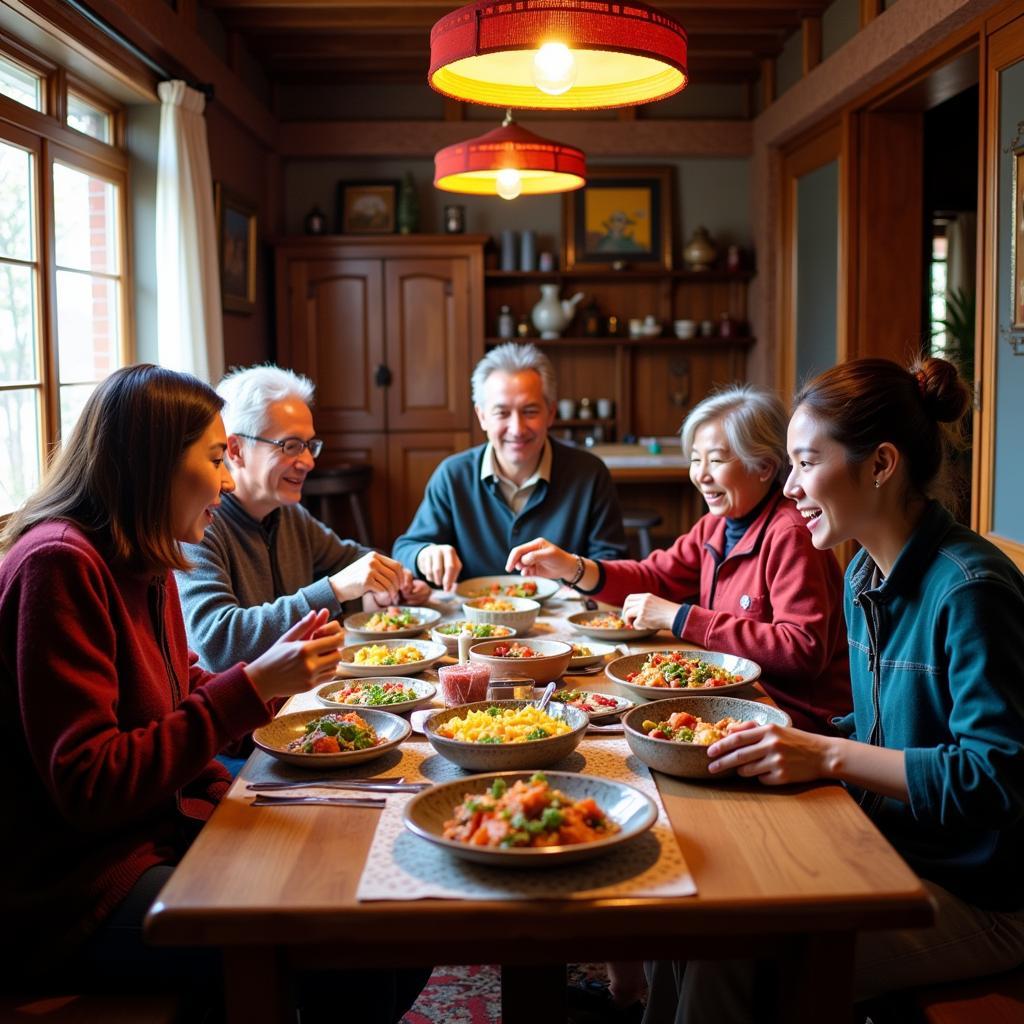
(382, 378)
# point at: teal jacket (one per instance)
(937, 668)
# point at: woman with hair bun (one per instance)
(934, 748)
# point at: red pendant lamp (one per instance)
(557, 54)
(509, 161)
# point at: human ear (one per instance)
(884, 463)
(234, 452)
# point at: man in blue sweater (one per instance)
(483, 502)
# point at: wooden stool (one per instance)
(643, 521)
(351, 478)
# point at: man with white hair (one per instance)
(265, 561)
(520, 485)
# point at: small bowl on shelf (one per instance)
(685, 329)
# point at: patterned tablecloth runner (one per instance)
(401, 866)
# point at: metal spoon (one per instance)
(545, 697)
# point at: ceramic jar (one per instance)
(700, 252)
(552, 315)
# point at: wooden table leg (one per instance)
(255, 987)
(816, 982)
(533, 994)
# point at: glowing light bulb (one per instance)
(509, 183)
(554, 69)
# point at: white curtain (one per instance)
(189, 325)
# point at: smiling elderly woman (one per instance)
(746, 579)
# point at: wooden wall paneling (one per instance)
(889, 225)
(412, 458)
(346, 446)
(429, 345)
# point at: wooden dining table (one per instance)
(791, 872)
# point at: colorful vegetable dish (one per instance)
(478, 630)
(390, 620)
(682, 727)
(373, 694)
(514, 649)
(378, 654)
(334, 734)
(607, 622)
(677, 670)
(527, 814)
(586, 701)
(492, 604)
(502, 725)
(525, 589)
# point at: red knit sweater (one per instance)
(777, 600)
(108, 729)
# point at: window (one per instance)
(937, 294)
(63, 284)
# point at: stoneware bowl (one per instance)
(431, 652)
(619, 671)
(551, 662)
(634, 812)
(580, 621)
(504, 757)
(481, 586)
(424, 694)
(689, 760)
(274, 737)
(355, 625)
(451, 640)
(521, 618)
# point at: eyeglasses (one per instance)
(293, 447)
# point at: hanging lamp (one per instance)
(557, 54)
(509, 161)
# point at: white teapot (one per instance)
(552, 315)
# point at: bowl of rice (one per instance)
(506, 735)
(539, 660)
(394, 657)
(447, 633)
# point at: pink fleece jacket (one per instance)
(108, 729)
(775, 599)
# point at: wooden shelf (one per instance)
(607, 274)
(593, 421)
(661, 342)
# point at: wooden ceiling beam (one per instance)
(302, 140)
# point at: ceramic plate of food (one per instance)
(571, 817)
(673, 736)
(660, 674)
(331, 739)
(607, 626)
(390, 623)
(534, 587)
(447, 633)
(397, 695)
(394, 657)
(589, 655)
(598, 705)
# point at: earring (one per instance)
(877, 485)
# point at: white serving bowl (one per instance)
(521, 618)
(430, 650)
(481, 586)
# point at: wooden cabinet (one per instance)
(653, 382)
(389, 330)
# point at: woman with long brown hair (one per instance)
(109, 728)
(934, 748)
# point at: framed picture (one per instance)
(236, 241)
(367, 207)
(622, 214)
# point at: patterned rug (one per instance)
(472, 995)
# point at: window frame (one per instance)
(46, 134)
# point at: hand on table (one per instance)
(373, 572)
(774, 754)
(304, 656)
(645, 611)
(540, 557)
(439, 564)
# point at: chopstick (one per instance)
(271, 800)
(378, 785)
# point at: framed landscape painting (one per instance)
(622, 216)
(367, 207)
